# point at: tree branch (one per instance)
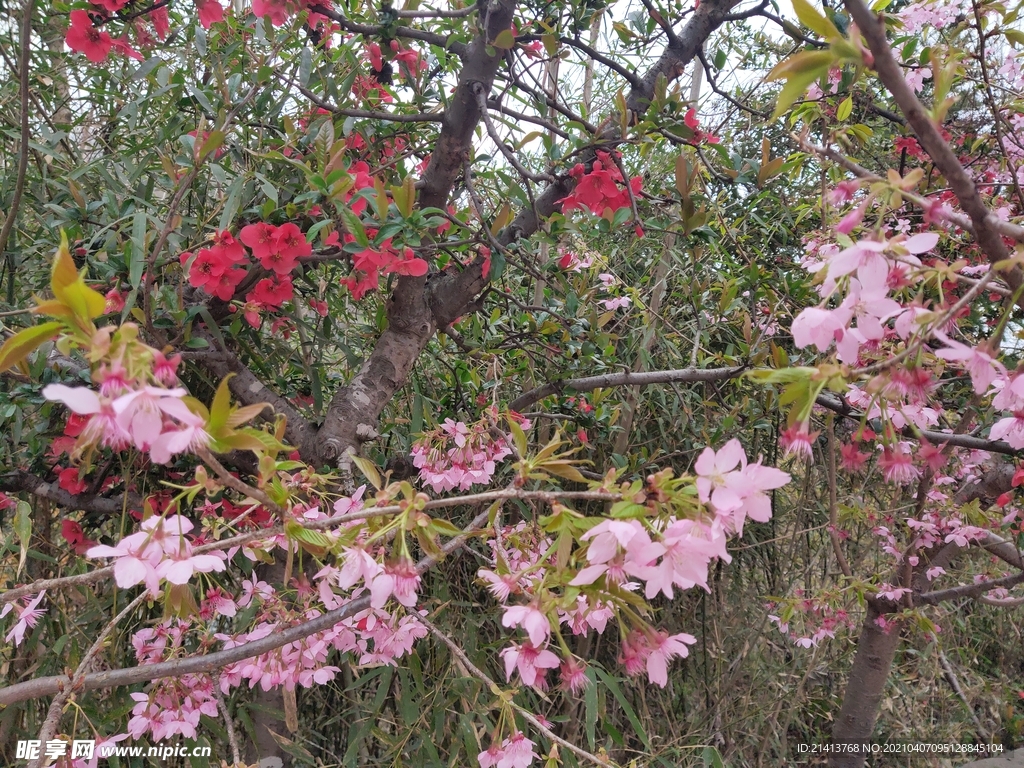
(47, 686)
(968, 590)
(891, 75)
(626, 379)
(20, 481)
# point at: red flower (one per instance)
(75, 537)
(698, 135)
(68, 480)
(233, 250)
(113, 6)
(409, 57)
(83, 37)
(361, 283)
(224, 285)
(122, 45)
(410, 265)
(210, 12)
(291, 245)
(276, 12)
(260, 239)
(272, 292)
(115, 301)
(376, 59)
(161, 22)
(599, 189)
(205, 269)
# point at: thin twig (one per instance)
(24, 57)
(57, 705)
(527, 715)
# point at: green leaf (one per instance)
(518, 436)
(23, 528)
(844, 109)
(354, 226)
(138, 257)
(220, 408)
(590, 707)
(613, 686)
(813, 20)
(21, 344)
(711, 758)
(369, 470)
(505, 40)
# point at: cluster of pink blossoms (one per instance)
(160, 551)
(457, 455)
(173, 705)
(514, 752)
(673, 554)
(128, 411)
(870, 269)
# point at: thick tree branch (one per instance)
(20, 481)
(249, 390)
(891, 75)
(411, 320)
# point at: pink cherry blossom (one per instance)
(501, 586)
(518, 752)
(819, 327)
(982, 367)
(399, 580)
(531, 662)
(664, 648)
(574, 676)
(28, 615)
(530, 619)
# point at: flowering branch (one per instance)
(889, 72)
(496, 690)
(839, 406)
(968, 590)
(57, 705)
(242, 539)
(46, 686)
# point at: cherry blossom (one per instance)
(530, 619)
(530, 661)
(28, 615)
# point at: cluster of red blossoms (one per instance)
(372, 262)
(220, 268)
(600, 189)
(85, 35)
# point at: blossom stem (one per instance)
(57, 705)
(527, 715)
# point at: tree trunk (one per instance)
(871, 665)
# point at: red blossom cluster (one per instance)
(599, 189)
(372, 262)
(220, 268)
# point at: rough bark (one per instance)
(856, 721)
(353, 412)
(419, 307)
